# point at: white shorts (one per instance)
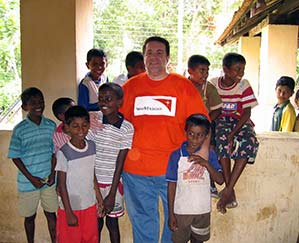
(118, 209)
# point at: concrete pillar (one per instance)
(249, 47)
(55, 37)
(278, 57)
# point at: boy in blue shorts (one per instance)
(31, 150)
(188, 176)
(113, 143)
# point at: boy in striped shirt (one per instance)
(31, 150)
(113, 142)
(235, 135)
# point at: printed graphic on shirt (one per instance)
(155, 106)
(193, 173)
(227, 106)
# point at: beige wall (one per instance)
(278, 58)
(268, 196)
(250, 49)
(55, 37)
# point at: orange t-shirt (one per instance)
(158, 111)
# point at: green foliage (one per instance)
(10, 66)
(122, 25)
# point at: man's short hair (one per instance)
(232, 58)
(30, 92)
(198, 120)
(116, 88)
(132, 58)
(157, 39)
(60, 105)
(286, 81)
(95, 53)
(196, 60)
(76, 112)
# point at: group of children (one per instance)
(88, 170)
(89, 147)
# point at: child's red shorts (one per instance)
(86, 231)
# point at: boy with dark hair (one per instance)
(188, 176)
(113, 143)
(59, 107)
(134, 64)
(156, 102)
(31, 150)
(77, 213)
(198, 69)
(284, 115)
(235, 135)
(88, 87)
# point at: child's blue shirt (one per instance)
(172, 168)
(33, 144)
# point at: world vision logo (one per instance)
(155, 105)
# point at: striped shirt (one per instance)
(33, 144)
(109, 141)
(235, 98)
(60, 138)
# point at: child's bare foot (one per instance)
(220, 207)
(233, 203)
(228, 199)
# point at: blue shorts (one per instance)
(245, 142)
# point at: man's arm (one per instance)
(205, 147)
(215, 113)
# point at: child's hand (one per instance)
(72, 220)
(51, 179)
(196, 159)
(230, 140)
(100, 209)
(109, 202)
(95, 123)
(172, 223)
(37, 182)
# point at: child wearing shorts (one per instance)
(113, 142)
(188, 176)
(31, 149)
(235, 135)
(78, 190)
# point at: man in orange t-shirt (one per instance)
(157, 103)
